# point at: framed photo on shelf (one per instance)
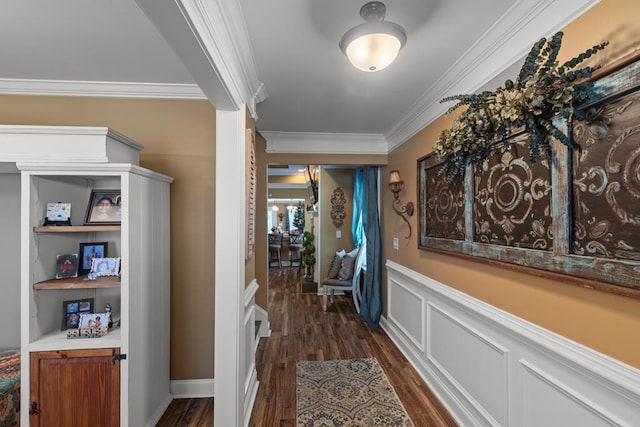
(66, 266)
(58, 214)
(88, 251)
(104, 267)
(104, 208)
(71, 311)
(94, 325)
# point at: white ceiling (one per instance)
(310, 86)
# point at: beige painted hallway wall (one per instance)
(331, 179)
(179, 141)
(605, 322)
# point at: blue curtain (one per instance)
(359, 209)
(371, 306)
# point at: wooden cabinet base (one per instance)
(76, 387)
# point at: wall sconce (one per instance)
(396, 184)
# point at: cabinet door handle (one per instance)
(34, 409)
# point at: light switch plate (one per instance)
(395, 243)
(338, 234)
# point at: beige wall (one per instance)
(179, 141)
(605, 322)
(332, 178)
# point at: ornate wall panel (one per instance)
(512, 198)
(444, 206)
(606, 181)
(577, 214)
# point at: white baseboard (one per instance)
(490, 368)
(250, 397)
(191, 389)
(265, 327)
(160, 411)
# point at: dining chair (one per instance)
(275, 249)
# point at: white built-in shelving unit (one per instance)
(64, 164)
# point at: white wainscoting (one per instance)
(251, 382)
(491, 368)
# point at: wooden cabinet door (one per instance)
(75, 388)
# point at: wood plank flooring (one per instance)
(301, 331)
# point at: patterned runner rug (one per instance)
(351, 393)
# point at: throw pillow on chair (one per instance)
(346, 270)
(336, 264)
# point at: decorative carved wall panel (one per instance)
(337, 207)
(577, 214)
(606, 181)
(512, 198)
(444, 206)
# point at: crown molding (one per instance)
(100, 89)
(505, 43)
(220, 28)
(324, 143)
(211, 40)
(13, 130)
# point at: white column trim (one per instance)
(229, 267)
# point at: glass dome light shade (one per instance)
(373, 46)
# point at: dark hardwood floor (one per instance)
(301, 331)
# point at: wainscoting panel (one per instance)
(251, 382)
(406, 310)
(483, 377)
(491, 368)
(562, 405)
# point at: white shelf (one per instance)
(142, 239)
(58, 341)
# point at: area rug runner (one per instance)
(350, 393)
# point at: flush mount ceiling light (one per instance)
(374, 44)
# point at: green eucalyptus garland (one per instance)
(542, 91)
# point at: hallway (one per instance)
(301, 331)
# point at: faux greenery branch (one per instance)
(542, 91)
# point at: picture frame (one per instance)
(66, 266)
(58, 214)
(94, 325)
(88, 251)
(104, 208)
(104, 267)
(71, 311)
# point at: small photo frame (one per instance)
(66, 266)
(105, 207)
(58, 214)
(94, 325)
(88, 251)
(104, 267)
(71, 311)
